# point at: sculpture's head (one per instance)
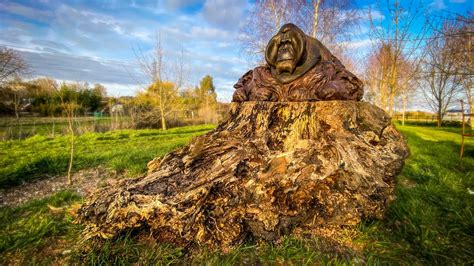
(291, 53)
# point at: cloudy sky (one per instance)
(97, 41)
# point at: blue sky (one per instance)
(94, 41)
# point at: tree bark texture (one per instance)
(270, 169)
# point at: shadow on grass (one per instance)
(34, 169)
(29, 225)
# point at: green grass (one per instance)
(33, 227)
(430, 222)
(121, 150)
(432, 219)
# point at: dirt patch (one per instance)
(84, 182)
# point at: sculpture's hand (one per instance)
(329, 92)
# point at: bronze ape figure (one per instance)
(299, 68)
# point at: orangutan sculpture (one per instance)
(299, 68)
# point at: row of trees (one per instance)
(158, 102)
(162, 101)
(44, 96)
(413, 60)
(167, 97)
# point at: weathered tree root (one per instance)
(271, 168)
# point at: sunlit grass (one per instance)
(121, 150)
(432, 219)
(28, 231)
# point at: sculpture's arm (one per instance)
(342, 84)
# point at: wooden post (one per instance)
(462, 130)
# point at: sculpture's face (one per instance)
(285, 49)
(287, 53)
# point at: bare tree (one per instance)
(17, 90)
(377, 77)
(179, 70)
(402, 39)
(441, 80)
(12, 67)
(316, 5)
(408, 86)
(265, 20)
(164, 91)
(459, 33)
(11, 64)
(70, 106)
(331, 21)
(376, 72)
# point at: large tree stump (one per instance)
(270, 169)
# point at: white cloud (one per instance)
(225, 89)
(118, 89)
(80, 68)
(438, 5)
(371, 12)
(87, 43)
(212, 34)
(226, 14)
(25, 11)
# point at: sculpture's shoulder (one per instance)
(327, 80)
(240, 93)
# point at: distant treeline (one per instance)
(160, 103)
(44, 96)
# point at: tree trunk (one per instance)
(470, 101)
(391, 101)
(16, 102)
(471, 111)
(163, 121)
(405, 99)
(54, 126)
(270, 169)
(71, 155)
(383, 96)
(316, 4)
(439, 119)
(206, 115)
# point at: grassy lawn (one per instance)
(121, 150)
(430, 222)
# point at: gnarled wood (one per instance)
(270, 169)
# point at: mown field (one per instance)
(121, 150)
(430, 222)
